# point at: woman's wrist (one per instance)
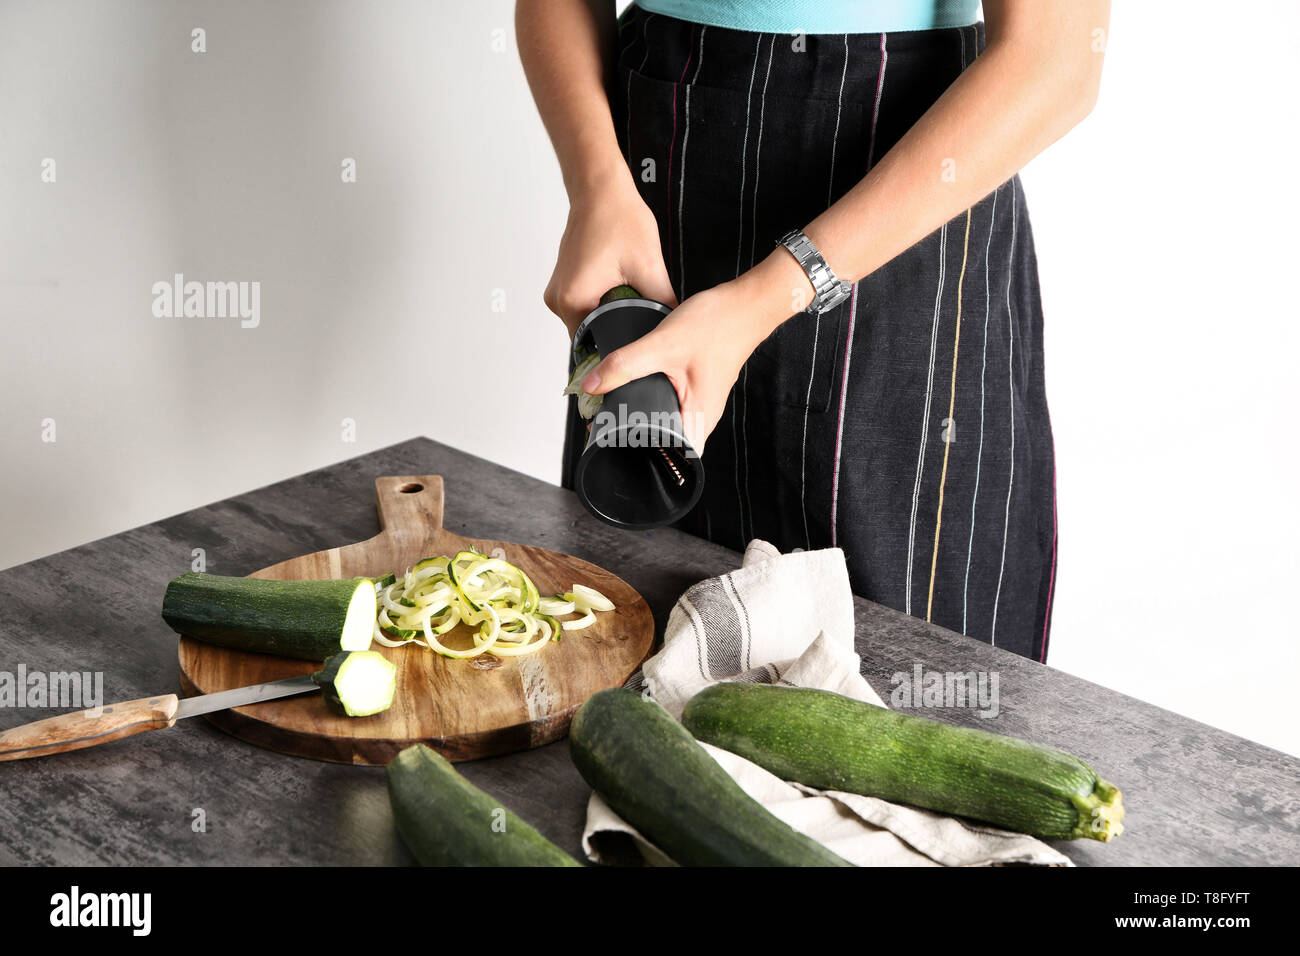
(596, 179)
(769, 293)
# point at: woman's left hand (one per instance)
(703, 343)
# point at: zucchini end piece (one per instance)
(1100, 813)
(358, 683)
(619, 292)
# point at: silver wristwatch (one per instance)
(830, 291)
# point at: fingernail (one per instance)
(591, 382)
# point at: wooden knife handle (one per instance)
(88, 728)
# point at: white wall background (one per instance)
(1166, 234)
(1165, 228)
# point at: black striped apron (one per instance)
(909, 426)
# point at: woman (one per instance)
(903, 419)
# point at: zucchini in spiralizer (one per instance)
(586, 360)
(654, 775)
(832, 742)
(358, 683)
(310, 620)
(447, 821)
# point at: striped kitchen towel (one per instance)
(755, 625)
(788, 619)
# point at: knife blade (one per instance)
(99, 725)
(243, 696)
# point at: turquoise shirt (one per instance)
(821, 16)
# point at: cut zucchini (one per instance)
(590, 598)
(358, 683)
(588, 404)
(310, 620)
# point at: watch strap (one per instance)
(829, 291)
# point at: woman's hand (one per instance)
(611, 239)
(702, 344)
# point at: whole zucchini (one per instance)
(447, 821)
(832, 742)
(655, 776)
(311, 620)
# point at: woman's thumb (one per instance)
(657, 288)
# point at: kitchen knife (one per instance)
(89, 728)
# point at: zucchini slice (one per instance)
(358, 683)
(309, 620)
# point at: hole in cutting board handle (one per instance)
(411, 487)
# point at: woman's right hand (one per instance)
(611, 239)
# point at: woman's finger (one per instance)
(634, 360)
(577, 299)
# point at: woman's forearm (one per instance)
(611, 237)
(1037, 78)
(566, 47)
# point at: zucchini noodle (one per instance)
(501, 603)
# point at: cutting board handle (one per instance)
(410, 506)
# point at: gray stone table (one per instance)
(1195, 795)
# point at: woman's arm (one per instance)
(1037, 78)
(567, 49)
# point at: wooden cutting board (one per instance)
(465, 709)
